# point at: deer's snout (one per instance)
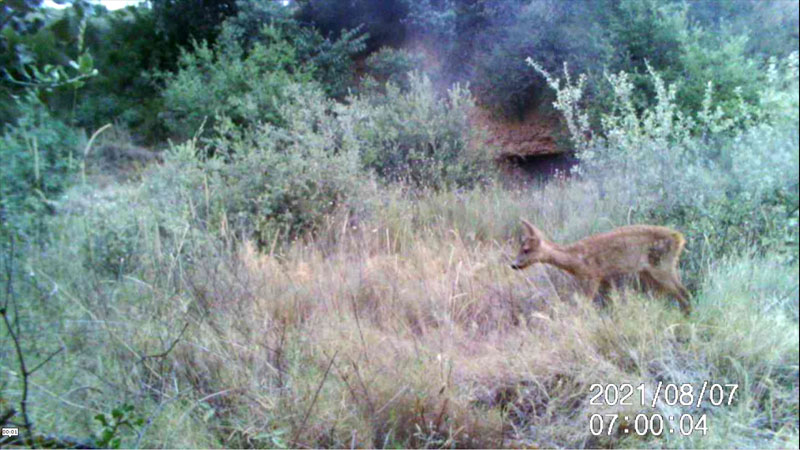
(516, 265)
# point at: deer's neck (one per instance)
(558, 256)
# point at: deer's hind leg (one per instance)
(590, 288)
(682, 294)
(668, 280)
(604, 288)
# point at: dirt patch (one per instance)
(533, 136)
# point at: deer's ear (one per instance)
(531, 232)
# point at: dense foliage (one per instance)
(39, 155)
(486, 42)
(225, 81)
(416, 136)
(393, 65)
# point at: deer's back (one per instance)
(629, 249)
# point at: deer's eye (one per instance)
(526, 250)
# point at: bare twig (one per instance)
(14, 332)
(9, 274)
(17, 347)
(45, 361)
(358, 325)
(313, 401)
(363, 388)
(166, 352)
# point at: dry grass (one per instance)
(406, 328)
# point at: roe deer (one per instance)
(637, 249)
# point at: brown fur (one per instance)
(647, 250)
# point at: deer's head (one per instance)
(533, 248)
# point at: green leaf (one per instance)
(86, 63)
(102, 419)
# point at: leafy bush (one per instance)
(646, 32)
(182, 21)
(382, 19)
(719, 57)
(393, 65)
(111, 242)
(417, 136)
(554, 32)
(435, 20)
(459, 35)
(127, 47)
(224, 80)
(39, 157)
(270, 180)
(622, 35)
(329, 60)
(685, 51)
(45, 52)
(772, 26)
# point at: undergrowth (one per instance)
(405, 329)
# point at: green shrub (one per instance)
(224, 80)
(685, 52)
(38, 155)
(718, 56)
(44, 52)
(417, 136)
(111, 239)
(330, 60)
(182, 21)
(381, 20)
(127, 47)
(438, 21)
(268, 179)
(646, 32)
(772, 26)
(553, 31)
(393, 65)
